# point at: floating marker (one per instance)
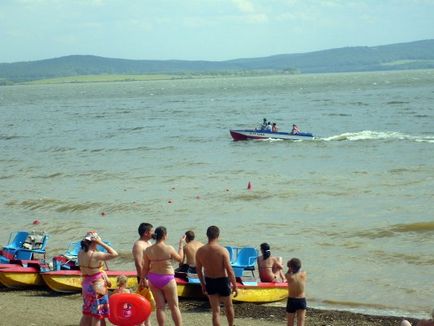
(249, 186)
(103, 214)
(169, 202)
(36, 222)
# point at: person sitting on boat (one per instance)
(295, 130)
(263, 126)
(274, 127)
(95, 283)
(270, 267)
(188, 264)
(269, 127)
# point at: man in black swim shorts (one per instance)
(296, 305)
(220, 286)
(216, 276)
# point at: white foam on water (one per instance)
(378, 135)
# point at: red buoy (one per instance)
(36, 222)
(128, 309)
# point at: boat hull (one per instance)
(70, 281)
(256, 292)
(263, 134)
(262, 292)
(20, 277)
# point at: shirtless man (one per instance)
(188, 264)
(145, 231)
(296, 297)
(217, 276)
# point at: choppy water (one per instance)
(356, 205)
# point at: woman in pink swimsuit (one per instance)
(95, 283)
(159, 274)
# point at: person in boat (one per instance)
(274, 127)
(269, 127)
(295, 130)
(158, 274)
(217, 275)
(188, 264)
(270, 267)
(263, 125)
(296, 304)
(95, 282)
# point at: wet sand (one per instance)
(42, 307)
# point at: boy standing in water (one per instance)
(296, 304)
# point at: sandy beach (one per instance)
(42, 307)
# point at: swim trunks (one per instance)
(218, 286)
(294, 304)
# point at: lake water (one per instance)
(356, 205)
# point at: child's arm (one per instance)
(106, 279)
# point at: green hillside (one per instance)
(412, 55)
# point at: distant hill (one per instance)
(412, 55)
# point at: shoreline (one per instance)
(44, 307)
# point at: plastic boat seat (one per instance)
(18, 241)
(24, 245)
(246, 260)
(232, 255)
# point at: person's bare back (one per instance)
(296, 284)
(216, 276)
(296, 304)
(212, 258)
(190, 250)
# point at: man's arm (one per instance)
(138, 258)
(230, 272)
(144, 272)
(199, 271)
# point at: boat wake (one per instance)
(379, 135)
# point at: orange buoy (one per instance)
(128, 309)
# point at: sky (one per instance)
(204, 29)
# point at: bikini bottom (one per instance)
(160, 280)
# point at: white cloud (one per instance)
(250, 12)
(245, 6)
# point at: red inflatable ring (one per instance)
(128, 309)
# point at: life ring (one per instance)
(128, 309)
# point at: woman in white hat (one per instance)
(95, 283)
